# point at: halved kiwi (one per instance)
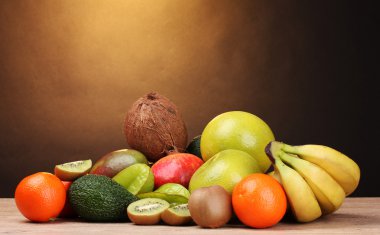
(147, 211)
(176, 215)
(72, 170)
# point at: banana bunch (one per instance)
(316, 178)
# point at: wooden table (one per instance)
(357, 215)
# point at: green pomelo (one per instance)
(226, 169)
(237, 130)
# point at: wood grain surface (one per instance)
(356, 216)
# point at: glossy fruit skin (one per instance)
(210, 207)
(40, 196)
(175, 168)
(259, 201)
(67, 211)
(226, 169)
(237, 130)
(114, 162)
(137, 178)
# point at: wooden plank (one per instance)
(357, 215)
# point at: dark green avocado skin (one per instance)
(99, 198)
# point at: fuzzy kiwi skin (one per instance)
(171, 217)
(151, 219)
(210, 207)
(145, 219)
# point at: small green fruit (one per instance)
(137, 178)
(170, 192)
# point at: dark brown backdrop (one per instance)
(70, 70)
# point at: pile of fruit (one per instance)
(223, 176)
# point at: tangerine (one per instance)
(259, 201)
(40, 196)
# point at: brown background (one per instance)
(70, 70)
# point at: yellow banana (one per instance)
(301, 198)
(342, 168)
(275, 175)
(328, 192)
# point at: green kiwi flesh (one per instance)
(72, 170)
(176, 215)
(147, 211)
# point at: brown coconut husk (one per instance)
(155, 127)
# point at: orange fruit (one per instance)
(40, 197)
(259, 201)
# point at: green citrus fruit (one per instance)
(226, 169)
(237, 130)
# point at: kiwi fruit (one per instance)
(210, 207)
(72, 170)
(176, 215)
(147, 211)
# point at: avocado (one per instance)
(195, 147)
(98, 198)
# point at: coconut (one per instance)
(155, 127)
